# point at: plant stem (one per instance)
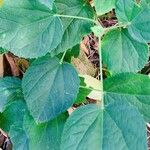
(101, 73)
(63, 56)
(76, 17)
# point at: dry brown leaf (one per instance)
(22, 64)
(1, 66)
(14, 69)
(83, 65)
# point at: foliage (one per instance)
(34, 110)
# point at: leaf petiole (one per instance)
(63, 56)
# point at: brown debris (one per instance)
(13, 69)
(11, 65)
(5, 143)
(1, 66)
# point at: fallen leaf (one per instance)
(83, 65)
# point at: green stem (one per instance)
(76, 17)
(63, 56)
(101, 73)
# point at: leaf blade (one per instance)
(104, 6)
(80, 127)
(124, 49)
(46, 135)
(74, 29)
(50, 88)
(139, 28)
(133, 88)
(31, 36)
(10, 89)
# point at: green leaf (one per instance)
(11, 121)
(45, 136)
(49, 87)
(29, 29)
(14, 107)
(19, 138)
(137, 17)
(47, 3)
(83, 92)
(13, 115)
(69, 54)
(121, 53)
(73, 52)
(127, 10)
(10, 89)
(145, 3)
(2, 51)
(148, 1)
(104, 6)
(74, 29)
(139, 28)
(98, 30)
(90, 127)
(134, 88)
(82, 129)
(38, 136)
